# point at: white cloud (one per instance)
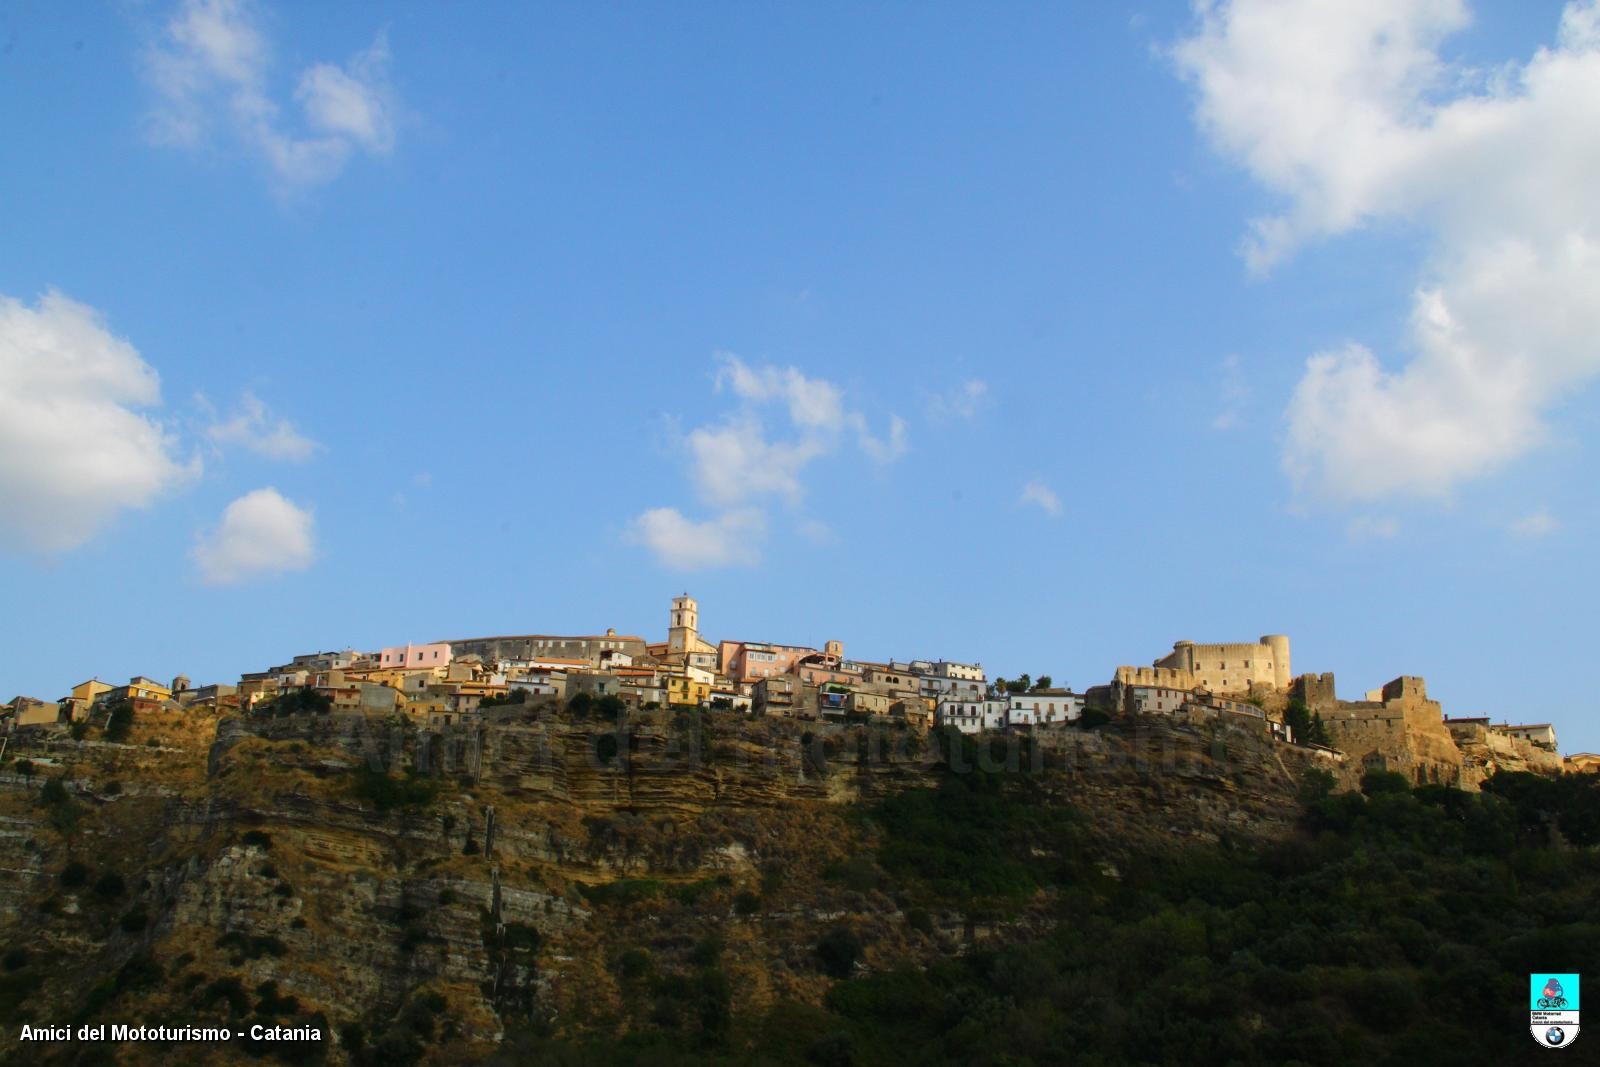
(211, 68)
(1538, 524)
(739, 459)
(351, 103)
(261, 534)
(1372, 528)
(256, 428)
(1348, 111)
(754, 455)
(962, 403)
(813, 403)
(884, 449)
(1041, 496)
(731, 539)
(734, 462)
(74, 450)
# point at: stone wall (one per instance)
(1405, 732)
(535, 646)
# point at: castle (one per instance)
(1395, 727)
(1230, 668)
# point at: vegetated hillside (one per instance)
(707, 887)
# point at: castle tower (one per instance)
(684, 632)
(1279, 644)
(180, 684)
(834, 649)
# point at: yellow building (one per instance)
(90, 691)
(84, 694)
(681, 689)
(140, 688)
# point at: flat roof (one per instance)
(543, 637)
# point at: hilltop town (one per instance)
(457, 683)
(442, 852)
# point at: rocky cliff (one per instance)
(417, 894)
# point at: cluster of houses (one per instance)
(449, 683)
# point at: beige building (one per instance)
(1582, 763)
(38, 713)
(1226, 668)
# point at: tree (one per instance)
(302, 701)
(495, 700)
(1377, 783)
(1019, 685)
(1043, 682)
(119, 722)
(25, 768)
(1306, 727)
(838, 950)
(1319, 732)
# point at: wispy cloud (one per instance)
(75, 450)
(962, 403)
(210, 69)
(254, 427)
(1232, 393)
(1350, 113)
(757, 453)
(1537, 524)
(1041, 496)
(261, 534)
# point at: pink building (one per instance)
(747, 662)
(413, 656)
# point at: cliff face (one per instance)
(292, 870)
(1486, 752)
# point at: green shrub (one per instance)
(387, 791)
(245, 946)
(230, 991)
(838, 950)
(73, 874)
(634, 964)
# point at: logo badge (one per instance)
(1553, 1009)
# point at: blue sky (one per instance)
(943, 330)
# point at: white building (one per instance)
(971, 716)
(956, 672)
(736, 700)
(1043, 706)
